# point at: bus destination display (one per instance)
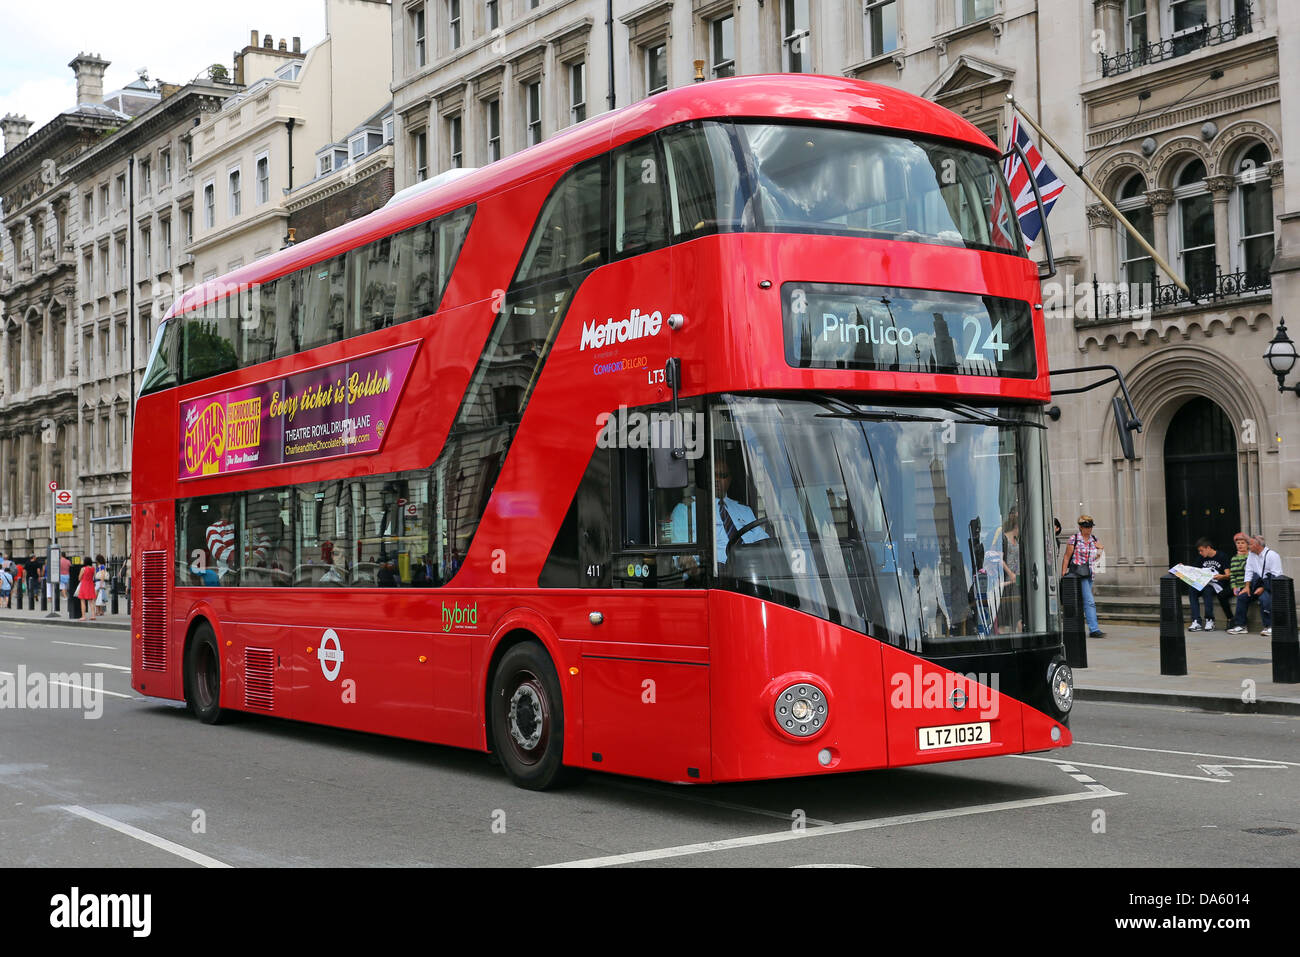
(880, 328)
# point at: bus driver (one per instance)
(729, 515)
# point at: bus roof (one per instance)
(780, 96)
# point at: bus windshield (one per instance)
(858, 183)
(926, 526)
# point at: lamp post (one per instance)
(1281, 357)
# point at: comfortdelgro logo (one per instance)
(456, 615)
(639, 325)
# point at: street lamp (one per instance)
(1281, 357)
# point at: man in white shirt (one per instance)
(1262, 566)
(729, 515)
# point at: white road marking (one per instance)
(114, 694)
(105, 664)
(14, 637)
(1190, 754)
(695, 799)
(1111, 767)
(1220, 770)
(758, 840)
(159, 842)
(78, 644)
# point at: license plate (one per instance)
(954, 735)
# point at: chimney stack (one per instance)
(284, 48)
(297, 44)
(252, 38)
(89, 69)
(15, 129)
(268, 43)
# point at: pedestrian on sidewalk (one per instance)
(1262, 566)
(101, 586)
(86, 591)
(1211, 560)
(65, 573)
(1081, 554)
(6, 584)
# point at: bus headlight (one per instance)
(1062, 680)
(800, 709)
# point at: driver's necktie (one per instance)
(727, 523)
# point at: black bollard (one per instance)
(1173, 641)
(1286, 646)
(112, 600)
(74, 603)
(45, 597)
(1073, 628)
(32, 585)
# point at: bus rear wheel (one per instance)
(203, 676)
(527, 718)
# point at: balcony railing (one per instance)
(1206, 35)
(1127, 301)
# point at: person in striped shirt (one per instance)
(220, 539)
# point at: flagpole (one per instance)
(1105, 200)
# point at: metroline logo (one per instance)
(639, 325)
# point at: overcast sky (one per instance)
(173, 41)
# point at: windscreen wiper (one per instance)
(877, 415)
(976, 415)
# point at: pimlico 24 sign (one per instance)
(333, 410)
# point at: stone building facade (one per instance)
(40, 369)
(131, 265)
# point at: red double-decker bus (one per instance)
(702, 442)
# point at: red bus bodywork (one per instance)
(716, 658)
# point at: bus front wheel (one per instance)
(203, 676)
(527, 719)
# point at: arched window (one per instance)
(1252, 219)
(1194, 227)
(1135, 264)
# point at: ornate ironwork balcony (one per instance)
(1166, 48)
(1128, 301)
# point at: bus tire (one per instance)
(203, 676)
(527, 718)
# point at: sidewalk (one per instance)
(1224, 672)
(121, 620)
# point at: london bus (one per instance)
(702, 442)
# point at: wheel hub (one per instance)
(526, 717)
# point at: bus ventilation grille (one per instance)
(153, 612)
(259, 679)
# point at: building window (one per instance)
(882, 27)
(165, 250)
(722, 46)
(533, 113)
(146, 252)
(455, 145)
(187, 225)
(289, 71)
(389, 126)
(209, 205)
(263, 171)
(187, 153)
(164, 167)
(1254, 218)
(453, 23)
(494, 130)
(122, 198)
(417, 32)
(121, 263)
(325, 163)
(146, 177)
(968, 11)
(420, 153)
(103, 269)
(357, 147)
(493, 14)
(88, 274)
(656, 69)
(796, 30)
(1135, 264)
(235, 195)
(88, 208)
(1195, 228)
(103, 201)
(577, 92)
(1135, 24)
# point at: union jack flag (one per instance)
(1022, 193)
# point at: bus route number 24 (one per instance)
(992, 343)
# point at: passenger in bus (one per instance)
(220, 540)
